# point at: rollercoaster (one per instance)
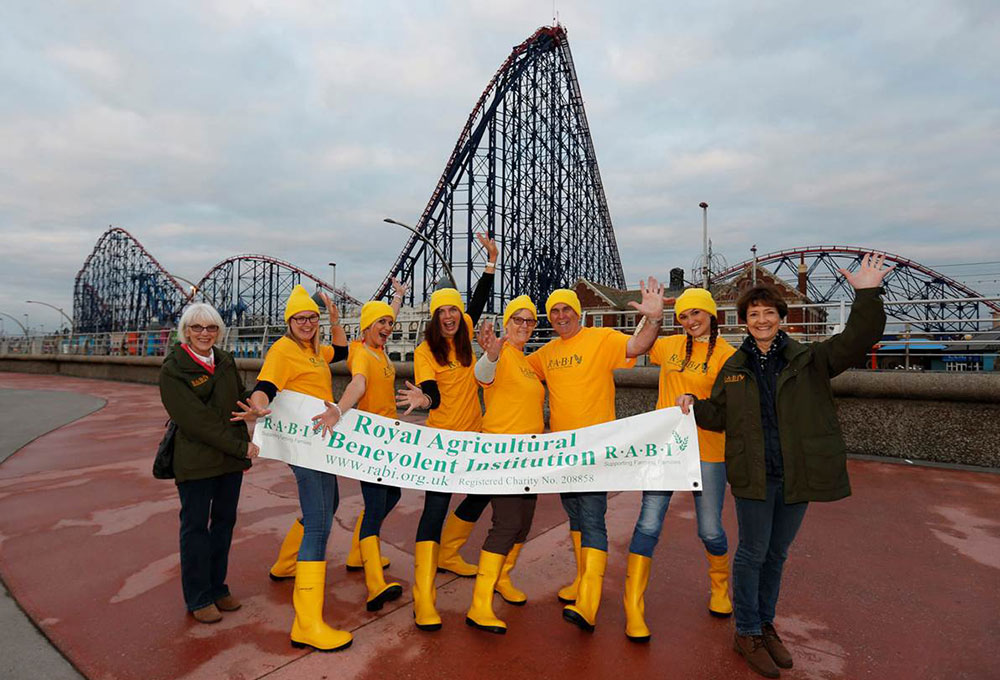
(524, 170)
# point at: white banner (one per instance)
(650, 451)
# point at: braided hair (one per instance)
(714, 335)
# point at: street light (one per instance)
(72, 326)
(704, 232)
(194, 288)
(14, 318)
(444, 261)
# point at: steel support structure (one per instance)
(909, 281)
(524, 171)
(122, 287)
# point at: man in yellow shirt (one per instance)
(578, 367)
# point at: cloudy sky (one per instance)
(292, 128)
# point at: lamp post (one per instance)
(72, 326)
(15, 319)
(704, 246)
(194, 287)
(444, 261)
(753, 273)
(333, 280)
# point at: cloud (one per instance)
(292, 129)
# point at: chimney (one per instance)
(676, 278)
(802, 276)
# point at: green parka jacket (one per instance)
(812, 446)
(207, 444)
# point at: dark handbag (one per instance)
(163, 464)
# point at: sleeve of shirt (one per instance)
(327, 352)
(359, 364)
(657, 350)
(276, 368)
(340, 352)
(613, 350)
(423, 365)
(537, 362)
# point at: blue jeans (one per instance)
(379, 501)
(318, 499)
(208, 515)
(767, 529)
(436, 511)
(707, 506)
(586, 510)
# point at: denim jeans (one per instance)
(208, 515)
(707, 506)
(436, 510)
(586, 512)
(767, 529)
(318, 499)
(379, 501)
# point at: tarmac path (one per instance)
(899, 581)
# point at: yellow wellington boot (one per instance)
(588, 598)
(481, 614)
(508, 591)
(309, 629)
(284, 567)
(379, 592)
(353, 561)
(636, 580)
(425, 557)
(454, 535)
(719, 603)
(568, 593)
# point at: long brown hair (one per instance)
(438, 343)
(711, 347)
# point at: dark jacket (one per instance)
(812, 447)
(207, 444)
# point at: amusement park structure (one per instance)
(122, 287)
(931, 301)
(524, 171)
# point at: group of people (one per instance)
(765, 415)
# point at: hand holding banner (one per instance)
(650, 451)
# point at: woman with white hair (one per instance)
(200, 387)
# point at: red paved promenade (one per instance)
(902, 580)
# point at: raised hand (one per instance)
(328, 419)
(486, 337)
(248, 413)
(870, 274)
(652, 299)
(399, 289)
(331, 308)
(412, 397)
(490, 245)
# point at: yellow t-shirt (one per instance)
(514, 399)
(292, 367)
(380, 379)
(579, 373)
(668, 353)
(459, 408)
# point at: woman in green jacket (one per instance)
(784, 447)
(199, 386)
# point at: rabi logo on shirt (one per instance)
(570, 361)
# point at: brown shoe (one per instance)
(775, 647)
(209, 614)
(228, 603)
(751, 648)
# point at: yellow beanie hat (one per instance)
(696, 298)
(299, 301)
(444, 297)
(374, 310)
(565, 296)
(518, 303)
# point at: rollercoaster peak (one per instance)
(524, 171)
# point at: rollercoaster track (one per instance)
(524, 171)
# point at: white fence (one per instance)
(904, 345)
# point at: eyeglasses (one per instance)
(518, 321)
(198, 328)
(312, 318)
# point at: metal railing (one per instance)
(903, 345)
